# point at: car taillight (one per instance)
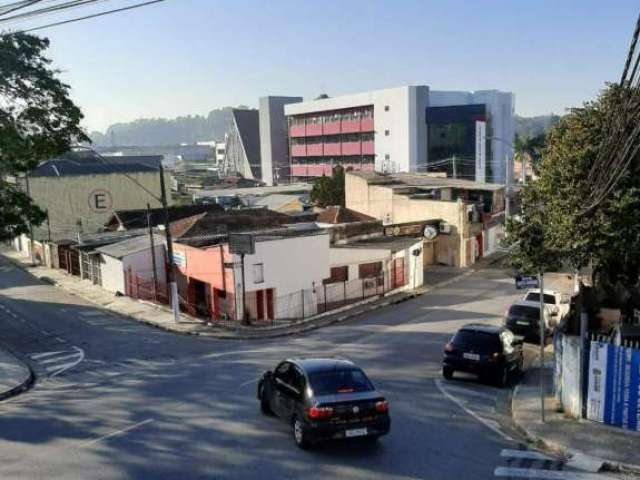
(319, 413)
(382, 406)
(448, 348)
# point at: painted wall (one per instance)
(206, 265)
(92, 199)
(112, 270)
(112, 273)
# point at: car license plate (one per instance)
(356, 432)
(523, 323)
(471, 356)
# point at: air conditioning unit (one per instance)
(444, 227)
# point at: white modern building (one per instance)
(405, 129)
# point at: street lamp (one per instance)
(173, 286)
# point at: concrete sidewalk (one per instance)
(160, 316)
(591, 446)
(15, 375)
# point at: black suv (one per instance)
(491, 352)
(324, 399)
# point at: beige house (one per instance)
(460, 220)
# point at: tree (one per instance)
(607, 237)
(38, 121)
(329, 191)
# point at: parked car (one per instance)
(523, 318)
(489, 351)
(557, 303)
(323, 399)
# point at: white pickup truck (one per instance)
(557, 303)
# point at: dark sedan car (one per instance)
(324, 399)
(491, 352)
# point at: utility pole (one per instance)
(245, 317)
(542, 329)
(153, 253)
(171, 276)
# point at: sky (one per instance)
(187, 57)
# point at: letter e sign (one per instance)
(100, 201)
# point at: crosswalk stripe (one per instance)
(59, 359)
(37, 356)
(545, 474)
(61, 368)
(529, 454)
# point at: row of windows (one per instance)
(334, 160)
(351, 115)
(347, 137)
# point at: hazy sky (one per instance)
(185, 57)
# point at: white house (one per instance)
(131, 257)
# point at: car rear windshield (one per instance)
(481, 342)
(535, 297)
(532, 313)
(331, 382)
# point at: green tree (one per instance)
(38, 120)
(329, 191)
(607, 237)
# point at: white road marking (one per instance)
(58, 359)
(116, 433)
(37, 356)
(490, 424)
(249, 382)
(546, 474)
(61, 340)
(529, 454)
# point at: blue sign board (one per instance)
(526, 282)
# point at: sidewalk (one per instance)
(15, 375)
(160, 316)
(590, 445)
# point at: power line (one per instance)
(54, 9)
(100, 14)
(20, 5)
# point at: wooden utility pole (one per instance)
(171, 276)
(153, 253)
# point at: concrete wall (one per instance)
(72, 198)
(289, 264)
(274, 150)
(570, 375)
(112, 273)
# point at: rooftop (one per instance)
(403, 180)
(131, 245)
(385, 243)
(256, 191)
(321, 364)
(64, 167)
(137, 218)
(338, 215)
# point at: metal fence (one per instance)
(262, 308)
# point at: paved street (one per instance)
(115, 399)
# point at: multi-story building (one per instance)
(404, 129)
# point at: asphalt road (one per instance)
(118, 400)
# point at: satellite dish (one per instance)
(396, 231)
(430, 232)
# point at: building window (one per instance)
(387, 156)
(368, 270)
(386, 133)
(386, 108)
(338, 274)
(258, 273)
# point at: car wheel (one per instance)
(264, 403)
(298, 435)
(447, 372)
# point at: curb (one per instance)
(272, 332)
(26, 384)
(538, 440)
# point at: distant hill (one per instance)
(155, 132)
(533, 126)
(147, 132)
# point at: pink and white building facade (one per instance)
(388, 131)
